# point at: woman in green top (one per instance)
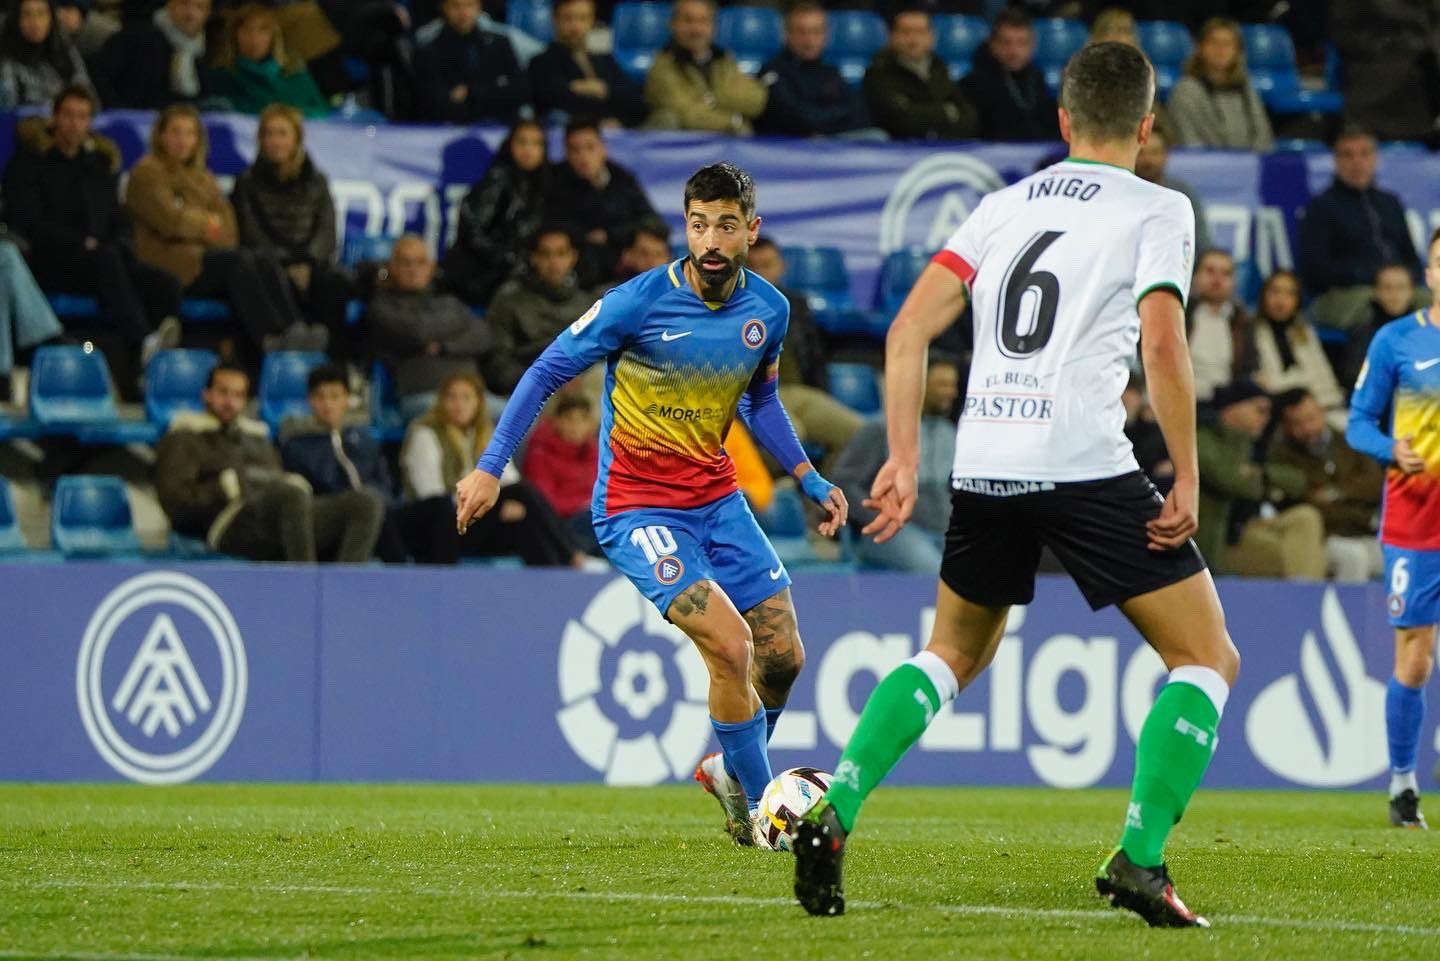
(255, 72)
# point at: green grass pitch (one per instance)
(432, 872)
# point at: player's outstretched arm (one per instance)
(1171, 383)
(934, 302)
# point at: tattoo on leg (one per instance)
(772, 626)
(694, 600)
(771, 621)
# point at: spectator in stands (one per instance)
(1006, 87)
(571, 81)
(219, 478)
(1388, 52)
(804, 384)
(441, 447)
(37, 60)
(599, 198)
(1151, 165)
(645, 247)
(1214, 103)
(918, 546)
(1394, 298)
(87, 30)
(695, 85)
(526, 47)
(423, 334)
(156, 61)
(62, 189)
(184, 224)
(303, 30)
(1342, 484)
(908, 89)
(468, 75)
(533, 307)
(1289, 351)
(26, 320)
(1242, 530)
(562, 459)
(1348, 232)
(284, 211)
(504, 207)
(807, 96)
(1143, 431)
(1219, 328)
(340, 459)
(256, 71)
(1114, 25)
(377, 32)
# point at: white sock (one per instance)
(1399, 783)
(1208, 680)
(939, 674)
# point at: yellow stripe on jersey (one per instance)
(681, 410)
(1417, 416)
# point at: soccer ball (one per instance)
(786, 799)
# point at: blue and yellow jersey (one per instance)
(1402, 372)
(676, 367)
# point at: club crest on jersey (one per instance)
(753, 333)
(585, 318)
(668, 570)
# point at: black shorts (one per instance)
(1095, 528)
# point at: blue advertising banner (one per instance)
(234, 672)
(868, 199)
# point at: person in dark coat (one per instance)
(1394, 298)
(597, 197)
(1006, 86)
(808, 97)
(62, 191)
(504, 208)
(569, 79)
(284, 209)
(908, 89)
(156, 61)
(468, 75)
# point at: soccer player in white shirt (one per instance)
(1065, 269)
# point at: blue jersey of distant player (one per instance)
(667, 510)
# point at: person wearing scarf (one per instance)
(153, 63)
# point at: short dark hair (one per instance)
(565, 3)
(764, 243)
(802, 6)
(1214, 252)
(227, 367)
(1290, 398)
(722, 181)
(1401, 265)
(326, 374)
(901, 9)
(653, 226)
(76, 91)
(1350, 130)
(583, 123)
(532, 243)
(1108, 89)
(1015, 17)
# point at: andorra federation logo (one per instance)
(668, 570)
(753, 333)
(161, 678)
(633, 690)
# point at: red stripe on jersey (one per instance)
(660, 479)
(954, 263)
(1412, 511)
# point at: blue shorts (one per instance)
(664, 551)
(1413, 580)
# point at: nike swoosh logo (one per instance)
(775, 574)
(667, 336)
(1427, 364)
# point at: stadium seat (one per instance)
(855, 37)
(10, 539)
(1168, 45)
(532, 16)
(854, 323)
(957, 37)
(282, 385)
(74, 306)
(70, 394)
(637, 31)
(898, 273)
(753, 34)
(857, 386)
(819, 272)
(364, 248)
(204, 310)
(1056, 41)
(1270, 56)
(1247, 282)
(387, 424)
(784, 525)
(90, 516)
(173, 382)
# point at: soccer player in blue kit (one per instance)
(686, 348)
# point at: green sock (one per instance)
(1174, 750)
(897, 713)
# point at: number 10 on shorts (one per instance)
(656, 541)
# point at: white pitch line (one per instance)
(736, 900)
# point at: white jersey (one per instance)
(1056, 265)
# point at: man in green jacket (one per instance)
(1241, 530)
(908, 89)
(695, 85)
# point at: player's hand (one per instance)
(1405, 457)
(474, 496)
(837, 511)
(1178, 519)
(892, 497)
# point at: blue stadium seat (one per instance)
(74, 306)
(855, 37)
(90, 516)
(638, 30)
(386, 421)
(204, 310)
(282, 385)
(1248, 282)
(363, 248)
(70, 394)
(898, 273)
(819, 272)
(1168, 45)
(10, 539)
(854, 323)
(1056, 41)
(784, 525)
(173, 382)
(957, 37)
(1270, 55)
(857, 386)
(532, 16)
(753, 34)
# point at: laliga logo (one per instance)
(161, 695)
(963, 179)
(1351, 747)
(638, 688)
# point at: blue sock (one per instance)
(1404, 715)
(744, 747)
(772, 717)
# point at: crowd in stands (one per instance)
(540, 237)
